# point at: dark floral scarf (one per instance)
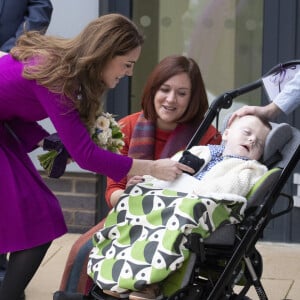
(142, 143)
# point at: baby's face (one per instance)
(246, 137)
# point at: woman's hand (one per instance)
(168, 169)
(134, 180)
(164, 169)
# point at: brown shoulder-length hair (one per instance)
(167, 68)
(73, 66)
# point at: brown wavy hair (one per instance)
(73, 66)
(167, 68)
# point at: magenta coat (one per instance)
(30, 213)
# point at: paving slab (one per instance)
(47, 279)
(281, 271)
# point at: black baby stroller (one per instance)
(228, 258)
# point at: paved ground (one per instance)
(281, 275)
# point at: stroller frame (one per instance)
(252, 227)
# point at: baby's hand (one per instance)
(134, 180)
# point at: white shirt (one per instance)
(289, 99)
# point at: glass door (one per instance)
(223, 36)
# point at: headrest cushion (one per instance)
(276, 139)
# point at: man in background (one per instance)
(19, 15)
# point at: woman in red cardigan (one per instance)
(174, 102)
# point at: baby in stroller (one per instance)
(144, 237)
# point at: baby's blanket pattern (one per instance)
(144, 236)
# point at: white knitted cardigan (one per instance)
(231, 175)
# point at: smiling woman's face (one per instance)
(171, 100)
(119, 67)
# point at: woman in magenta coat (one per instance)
(62, 79)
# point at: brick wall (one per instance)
(79, 195)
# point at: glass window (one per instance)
(223, 36)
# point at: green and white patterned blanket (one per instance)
(144, 236)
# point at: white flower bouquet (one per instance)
(106, 133)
